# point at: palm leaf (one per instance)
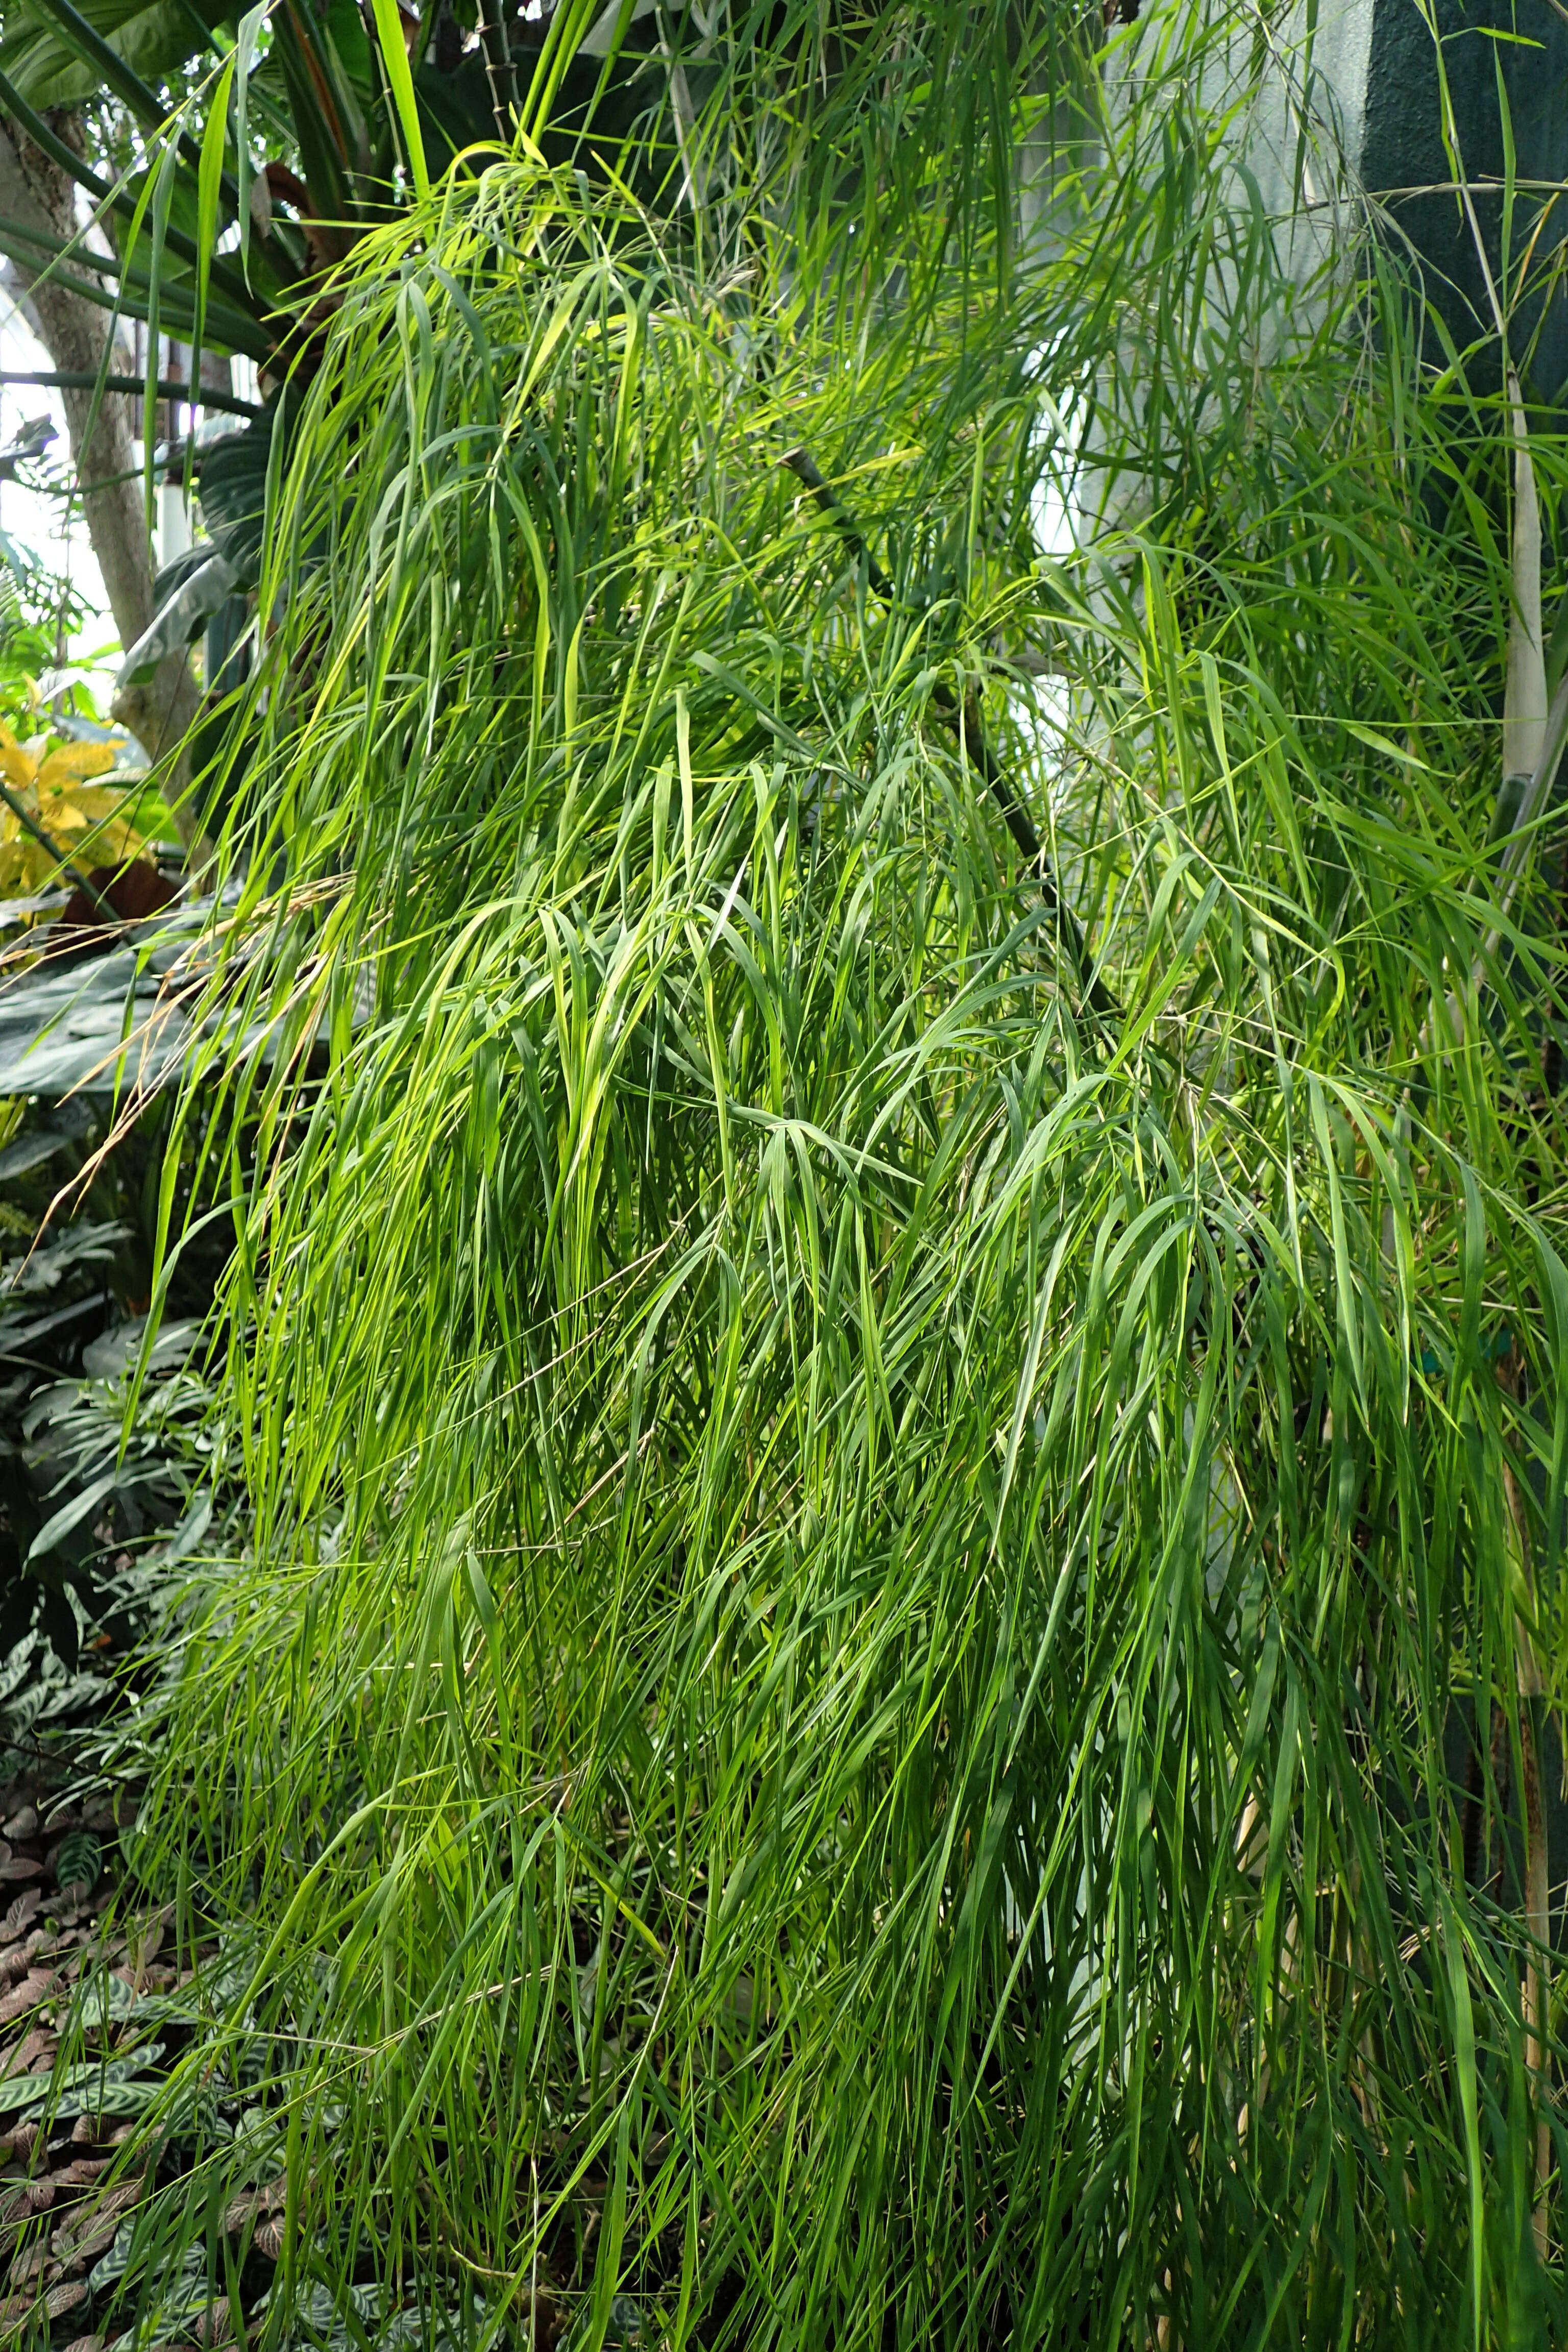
(151, 42)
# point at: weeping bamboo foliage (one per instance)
(880, 1481)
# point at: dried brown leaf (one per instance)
(22, 2056)
(91, 2228)
(81, 2170)
(26, 1996)
(25, 2198)
(252, 2201)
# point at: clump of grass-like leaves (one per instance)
(882, 1488)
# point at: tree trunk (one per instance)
(41, 199)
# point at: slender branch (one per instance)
(1524, 697)
(1510, 871)
(1480, 184)
(1531, 741)
(801, 462)
(499, 71)
(965, 720)
(196, 395)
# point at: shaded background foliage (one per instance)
(86, 1524)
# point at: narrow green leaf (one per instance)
(400, 82)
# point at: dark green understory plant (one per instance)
(876, 1693)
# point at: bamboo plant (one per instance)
(879, 1182)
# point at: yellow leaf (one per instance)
(71, 761)
(117, 845)
(87, 799)
(61, 818)
(19, 769)
(35, 865)
(83, 821)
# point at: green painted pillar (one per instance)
(1526, 45)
